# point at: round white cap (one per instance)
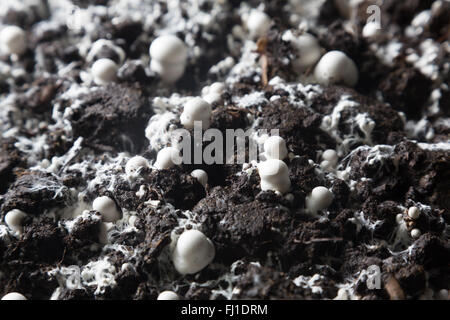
(13, 40)
(134, 165)
(168, 295)
(414, 213)
(14, 219)
(196, 109)
(274, 174)
(167, 158)
(14, 296)
(258, 23)
(415, 233)
(308, 50)
(335, 67)
(320, 198)
(107, 208)
(193, 252)
(201, 176)
(104, 71)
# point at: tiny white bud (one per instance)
(326, 165)
(193, 252)
(196, 109)
(104, 71)
(275, 148)
(135, 165)
(415, 233)
(331, 156)
(167, 158)
(335, 67)
(307, 47)
(14, 219)
(168, 295)
(107, 208)
(274, 175)
(371, 29)
(217, 87)
(413, 213)
(320, 198)
(399, 218)
(201, 176)
(13, 40)
(258, 23)
(14, 296)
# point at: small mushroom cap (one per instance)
(193, 252)
(134, 164)
(201, 176)
(168, 295)
(14, 219)
(14, 296)
(319, 199)
(335, 67)
(13, 40)
(196, 109)
(107, 208)
(258, 23)
(104, 71)
(167, 158)
(168, 49)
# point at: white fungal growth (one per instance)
(168, 57)
(100, 273)
(167, 158)
(366, 125)
(307, 48)
(135, 165)
(275, 148)
(13, 40)
(258, 23)
(14, 296)
(107, 208)
(159, 131)
(319, 199)
(193, 252)
(104, 71)
(14, 219)
(274, 176)
(335, 67)
(196, 109)
(168, 295)
(201, 176)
